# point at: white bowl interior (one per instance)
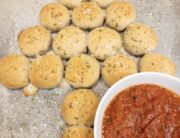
(163, 80)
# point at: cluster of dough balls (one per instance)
(87, 31)
(104, 43)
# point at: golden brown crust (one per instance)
(104, 42)
(54, 16)
(30, 90)
(34, 40)
(117, 67)
(140, 39)
(79, 107)
(14, 71)
(154, 62)
(120, 14)
(82, 71)
(78, 132)
(103, 3)
(70, 42)
(88, 15)
(71, 3)
(46, 71)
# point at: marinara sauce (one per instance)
(143, 111)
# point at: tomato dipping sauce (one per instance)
(143, 111)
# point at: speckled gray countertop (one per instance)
(39, 117)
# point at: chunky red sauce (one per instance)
(143, 111)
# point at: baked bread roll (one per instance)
(103, 3)
(117, 67)
(54, 16)
(140, 39)
(120, 14)
(70, 42)
(82, 71)
(78, 132)
(30, 90)
(71, 3)
(34, 40)
(14, 71)
(79, 107)
(104, 42)
(88, 15)
(154, 62)
(46, 71)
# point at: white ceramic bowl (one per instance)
(166, 81)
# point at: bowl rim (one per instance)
(109, 94)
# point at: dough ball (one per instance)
(140, 39)
(88, 15)
(30, 90)
(120, 14)
(82, 71)
(103, 3)
(117, 67)
(70, 42)
(78, 132)
(14, 71)
(104, 42)
(46, 71)
(154, 62)
(70, 3)
(54, 16)
(79, 107)
(34, 40)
